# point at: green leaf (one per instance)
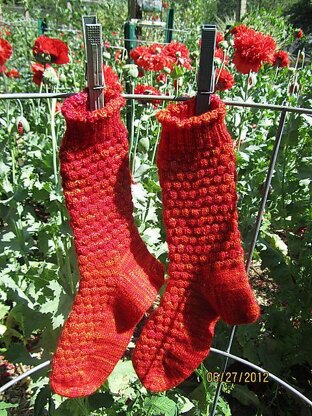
(139, 194)
(144, 144)
(17, 354)
(18, 294)
(276, 242)
(160, 406)
(29, 320)
(245, 396)
(71, 407)
(3, 310)
(100, 400)
(59, 305)
(42, 399)
(41, 273)
(177, 72)
(121, 377)
(151, 236)
(4, 406)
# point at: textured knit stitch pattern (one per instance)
(120, 279)
(207, 278)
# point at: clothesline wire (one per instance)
(147, 97)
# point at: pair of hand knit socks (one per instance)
(119, 277)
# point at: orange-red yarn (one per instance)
(207, 279)
(119, 277)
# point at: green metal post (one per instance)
(130, 38)
(169, 26)
(42, 26)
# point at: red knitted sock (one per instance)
(119, 277)
(196, 166)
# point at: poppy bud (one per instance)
(294, 88)
(132, 70)
(20, 128)
(22, 125)
(62, 78)
(50, 76)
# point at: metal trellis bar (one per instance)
(278, 138)
(31, 96)
(66, 29)
(278, 380)
(262, 370)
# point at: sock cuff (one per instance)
(182, 115)
(183, 130)
(75, 108)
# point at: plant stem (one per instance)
(135, 149)
(132, 107)
(13, 164)
(244, 115)
(54, 140)
(155, 146)
(4, 83)
(67, 257)
(13, 147)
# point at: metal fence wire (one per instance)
(284, 109)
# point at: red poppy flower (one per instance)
(137, 52)
(4, 31)
(3, 69)
(118, 56)
(38, 70)
(238, 30)
(281, 59)
(50, 50)
(220, 38)
(58, 107)
(219, 53)
(225, 80)
(5, 51)
(294, 88)
(165, 5)
(148, 90)
(252, 49)
(161, 78)
(178, 54)
(150, 57)
(111, 79)
(107, 44)
(13, 73)
(299, 34)
(141, 72)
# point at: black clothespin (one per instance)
(205, 80)
(87, 20)
(94, 62)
